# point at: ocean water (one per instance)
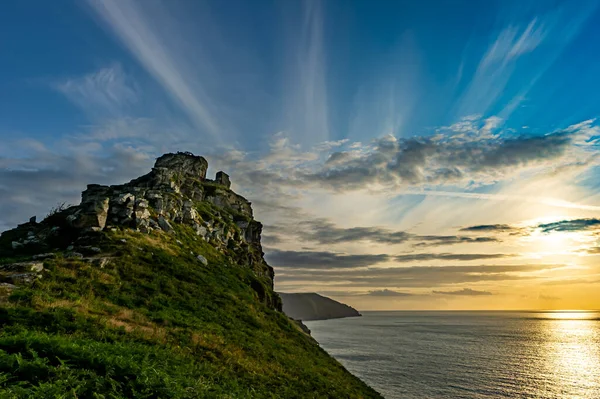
(469, 354)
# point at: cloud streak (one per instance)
(414, 276)
(130, 24)
(464, 292)
(108, 91)
(325, 232)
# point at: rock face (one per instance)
(176, 192)
(312, 306)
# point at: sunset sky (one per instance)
(401, 155)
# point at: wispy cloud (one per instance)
(570, 225)
(149, 41)
(106, 92)
(512, 43)
(323, 259)
(389, 293)
(516, 40)
(423, 257)
(489, 228)
(463, 292)
(306, 103)
(452, 158)
(413, 276)
(325, 232)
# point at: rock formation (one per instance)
(312, 306)
(175, 193)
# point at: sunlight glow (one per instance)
(557, 243)
(571, 352)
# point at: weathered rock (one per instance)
(223, 179)
(201, 231)
(21, 267)
(16, 245)
(224, 198)
(23, 278)
(190, 165)
(93, 209)
(164, 224)
(202, 260)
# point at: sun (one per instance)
(558, 242)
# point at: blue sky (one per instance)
(422, 117)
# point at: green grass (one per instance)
(156, 323)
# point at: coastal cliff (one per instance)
(312, 306)
(153, 288)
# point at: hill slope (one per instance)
(312, 306)
(153, 289)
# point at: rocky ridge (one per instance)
(175, 193)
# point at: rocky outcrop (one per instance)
(312, 306)
(174, 193)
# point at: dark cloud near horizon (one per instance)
(447, 256)
(434, 241)
(389, 293)
(570, 225)
(308, 259)
(549, 298)
(493, 228)
(412, 276)
(321, 259)
(464, 292)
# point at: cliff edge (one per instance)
(153, 288)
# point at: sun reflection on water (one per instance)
(572, 355)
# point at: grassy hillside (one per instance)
(144, 318)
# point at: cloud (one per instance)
(306, 103)
(430, 241)
(443, 160)
(447, 256)
(271, 239)
(541, 41)
(549, 298)
(325, 232)
(150, 39)
(463, 292)
(510, 44)
(570, 225)
(412, 276)
(108, 91)
(310, 259)
(388, 293)
(500, 228)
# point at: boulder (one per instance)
(202, 260)
(164, 224)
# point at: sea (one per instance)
(410, 354)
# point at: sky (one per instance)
(401, 155)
